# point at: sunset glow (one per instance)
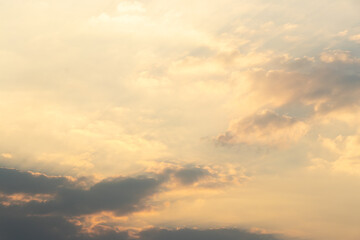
(180, 120)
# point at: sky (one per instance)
(172, 120)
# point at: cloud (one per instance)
(295, 92)
(355, 38)
(120, 195)
(337, 55)
(18, 226)
(179, 72)
(59, 217)
(50, 218)
(15, 225)
(327, 86)
(207, 234)
(198, 176)
(266, 127)
(14, 181)
(345, 154)
(189, 176)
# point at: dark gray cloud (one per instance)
(14, 225)
(120, 195)
(14, 181)
(18, 227)
(190, 175)
(193, 176)
(51, 218)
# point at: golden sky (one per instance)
(172, 120)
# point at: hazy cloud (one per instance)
(294, 92)
(266, 127)
(328, 85)
(207, 234)
(355, 38)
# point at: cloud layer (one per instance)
(57, 217)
